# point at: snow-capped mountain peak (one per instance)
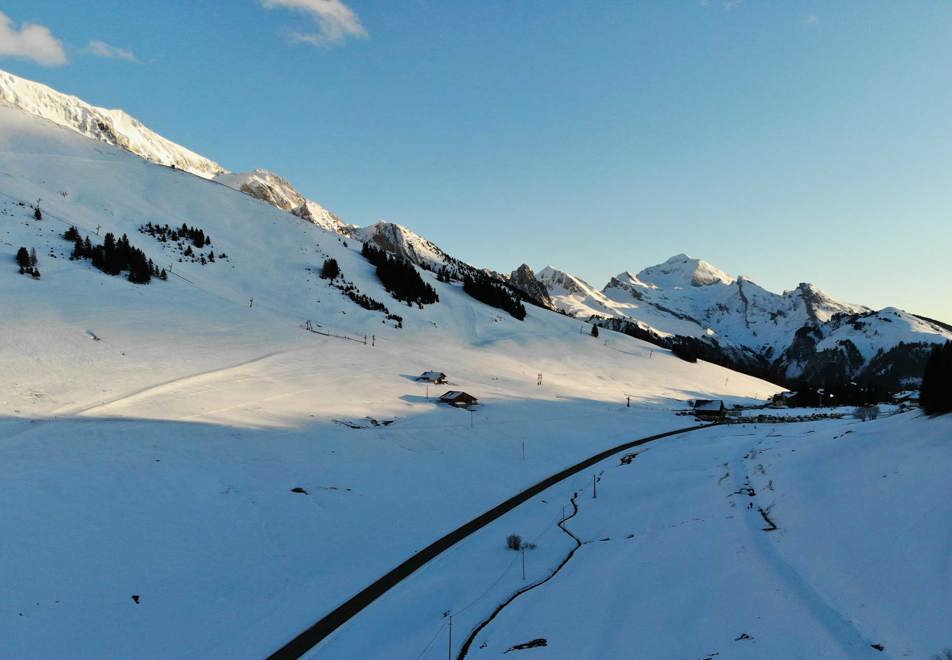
(682, 270)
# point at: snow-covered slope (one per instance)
(675, 560)
(117, 128)
(150, 435)
(113, 127)
(189, 472)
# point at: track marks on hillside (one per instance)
(840, 629)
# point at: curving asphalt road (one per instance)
(330, 622)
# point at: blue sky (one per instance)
(807, 140)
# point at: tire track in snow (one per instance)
(168, 385)
(841, 630)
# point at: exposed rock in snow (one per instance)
(279, 192)
(525, 280)
(403, 242)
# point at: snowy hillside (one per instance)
(113, 127)
(117, 128)
(152, 435)
(203, 465)
(801, 334)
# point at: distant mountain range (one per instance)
(800, 336)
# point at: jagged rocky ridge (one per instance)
(800, 336)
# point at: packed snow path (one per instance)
(332, 621)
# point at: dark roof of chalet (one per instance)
(708, 406)
(432, 375)
(455, 395)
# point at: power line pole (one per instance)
(449, 646)
(594, 489)
(523, 563)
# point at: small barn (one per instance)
(437, 377)
(459, 399)
(710, 410)
(783, 400)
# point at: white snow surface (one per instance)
(113, 127)
(675, 561)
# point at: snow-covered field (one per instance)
(675, 561)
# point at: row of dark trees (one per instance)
(115, 256)
(935, 395)
(26, 260)
(164, 233)
(400, 277)
(482, 288)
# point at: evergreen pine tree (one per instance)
(594, 330)
(23, 259)
(935, 394)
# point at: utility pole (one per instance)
(523, 563)
(523, 450)
(449, 646)
(594, 489)
(428, 391)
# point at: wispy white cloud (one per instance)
(32, 41)
(102, 49)
(335, 21)
(811, 19)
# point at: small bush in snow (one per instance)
(514, 542)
